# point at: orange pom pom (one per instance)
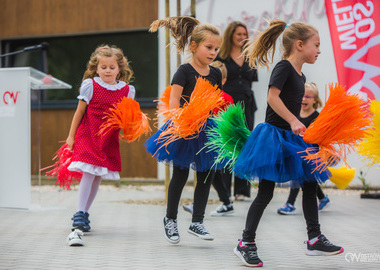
(128, 116)
(189, 121)
(340, 126)
(163, 104)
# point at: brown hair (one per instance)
(222, 68)
(125, 72)
(313, 87)
(183, 27)
(226, 47)
(265, 43)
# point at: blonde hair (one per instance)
(264, 44)
(222, 68)
(313, 87)
(226, 47)
(183, 27)
(125, 72)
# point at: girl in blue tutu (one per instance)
(204, 42)
(272, 151)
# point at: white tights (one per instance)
(88, 188)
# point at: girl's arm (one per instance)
(175, 96)
(279, 107)
(81, 109)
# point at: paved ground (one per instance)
(127, 235)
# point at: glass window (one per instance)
(67, 57)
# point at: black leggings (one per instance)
(294, 192)
(201, 193)
(222, 184)
(219, 182)
(265, 195)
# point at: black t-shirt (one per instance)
(292, 86)
(239, 78)
(308, 120)
(186, 76)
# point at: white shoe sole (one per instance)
(216, 214)
(75, 243)
(204, 237)
(324, 208)
(172, 241)
(286, 213)
(238, 254)
(322, 253)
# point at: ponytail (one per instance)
(181, 29)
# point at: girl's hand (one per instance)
(297, 127)
(70, 143)
(175, 96)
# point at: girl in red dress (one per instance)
(105, 83)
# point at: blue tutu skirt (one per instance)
(184, 153)
(272, 153)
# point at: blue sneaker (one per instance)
(324, 203)
(287, 209)
(78, 221)
(87, 226)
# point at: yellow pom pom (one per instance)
(370, 147)
(341, 177)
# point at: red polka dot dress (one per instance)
(92, 153)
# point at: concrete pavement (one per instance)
(127, 233)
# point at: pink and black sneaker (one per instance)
(248, 254)
(322, 247)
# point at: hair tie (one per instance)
(287, 25)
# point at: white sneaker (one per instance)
(223, 210)
(74, 238)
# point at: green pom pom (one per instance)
(229, 134)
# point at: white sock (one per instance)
(84, 190)
(94, 190)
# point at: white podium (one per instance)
(15, 140)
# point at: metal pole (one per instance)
(167, 57)
(192, 14)
(192, 8)
(178, 14)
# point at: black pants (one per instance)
(222, 184)
(201, 192)
(264, 196)
(294, 192)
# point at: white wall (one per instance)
(253, 13)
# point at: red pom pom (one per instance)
(63, 159)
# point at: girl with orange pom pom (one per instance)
(310, 103)
(271, 152)
(105, 82)
(204, 42)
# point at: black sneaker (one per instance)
(223, 210)
(248, 254)
(198, 229)
(171, 230)
(322, 247)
